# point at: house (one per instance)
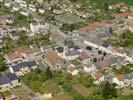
(129, 24)
(116, 62)
(57, 38)
(14, 56)
(35, 28)
(16, 6)
(1, 96)
(21, 68)
(4, 83)
(7, 3)
(104, 64)
(89, 67)
(41, 11)
(13, 35)
(31, 52)
(72, 54)
(119, 80)
(72, 70)
(93, 26)
(6, 19)
(60, 51)
(129, 79)
(25, 12)
(53, 60)
(120, 50)
(84, 58)
(77, 48)
(32, 8)
(118, 5)
(98, 77)
(44, 48)
(7, 82)
(13, 79)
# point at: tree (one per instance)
(109, 91)
(111, 30)
(42, 77)
(48, 73)
(2, 63)
(106, 7)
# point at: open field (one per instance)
(127, 91)
(21, 92)
(129, 2)
(52, 88)
(62, 97)
(83, 90)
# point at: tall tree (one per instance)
(109, 91)
(2, 63)
(48, 73)
(106, 7)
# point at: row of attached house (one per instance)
(22, 5)
(123, 80)
(22, 68)
(9, 81)
(6, 19)
(20, 54)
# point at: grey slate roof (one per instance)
(60, 49)
(4, 80)
(7, 79)
(23, 65)
(72, 53)
(12, 77)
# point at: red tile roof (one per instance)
(71, 68)
(89, 65)
(92, 26)
(98, 75)
(119, 50)
(53, 58)
(121, 77)
(30, 50)
(14, 55)
(4, 26)
(83, 56)
(104, 63)
(126, 14)
(3, 16)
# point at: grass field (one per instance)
(83, 90)
(129, 2)
(52, 88)
(130, 97)
(62, 97)
(21, 92)
(127, 91)
(6, 94)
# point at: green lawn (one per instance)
(130, 97)
(22, 92)
(129, 2)
(6, 94)
(52, 88)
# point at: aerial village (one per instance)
(65, 49)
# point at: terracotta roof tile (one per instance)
(92, 26)
(104, 63)
(83, 56)
(53, 58)
(121, 77)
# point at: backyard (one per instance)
(21, 92)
